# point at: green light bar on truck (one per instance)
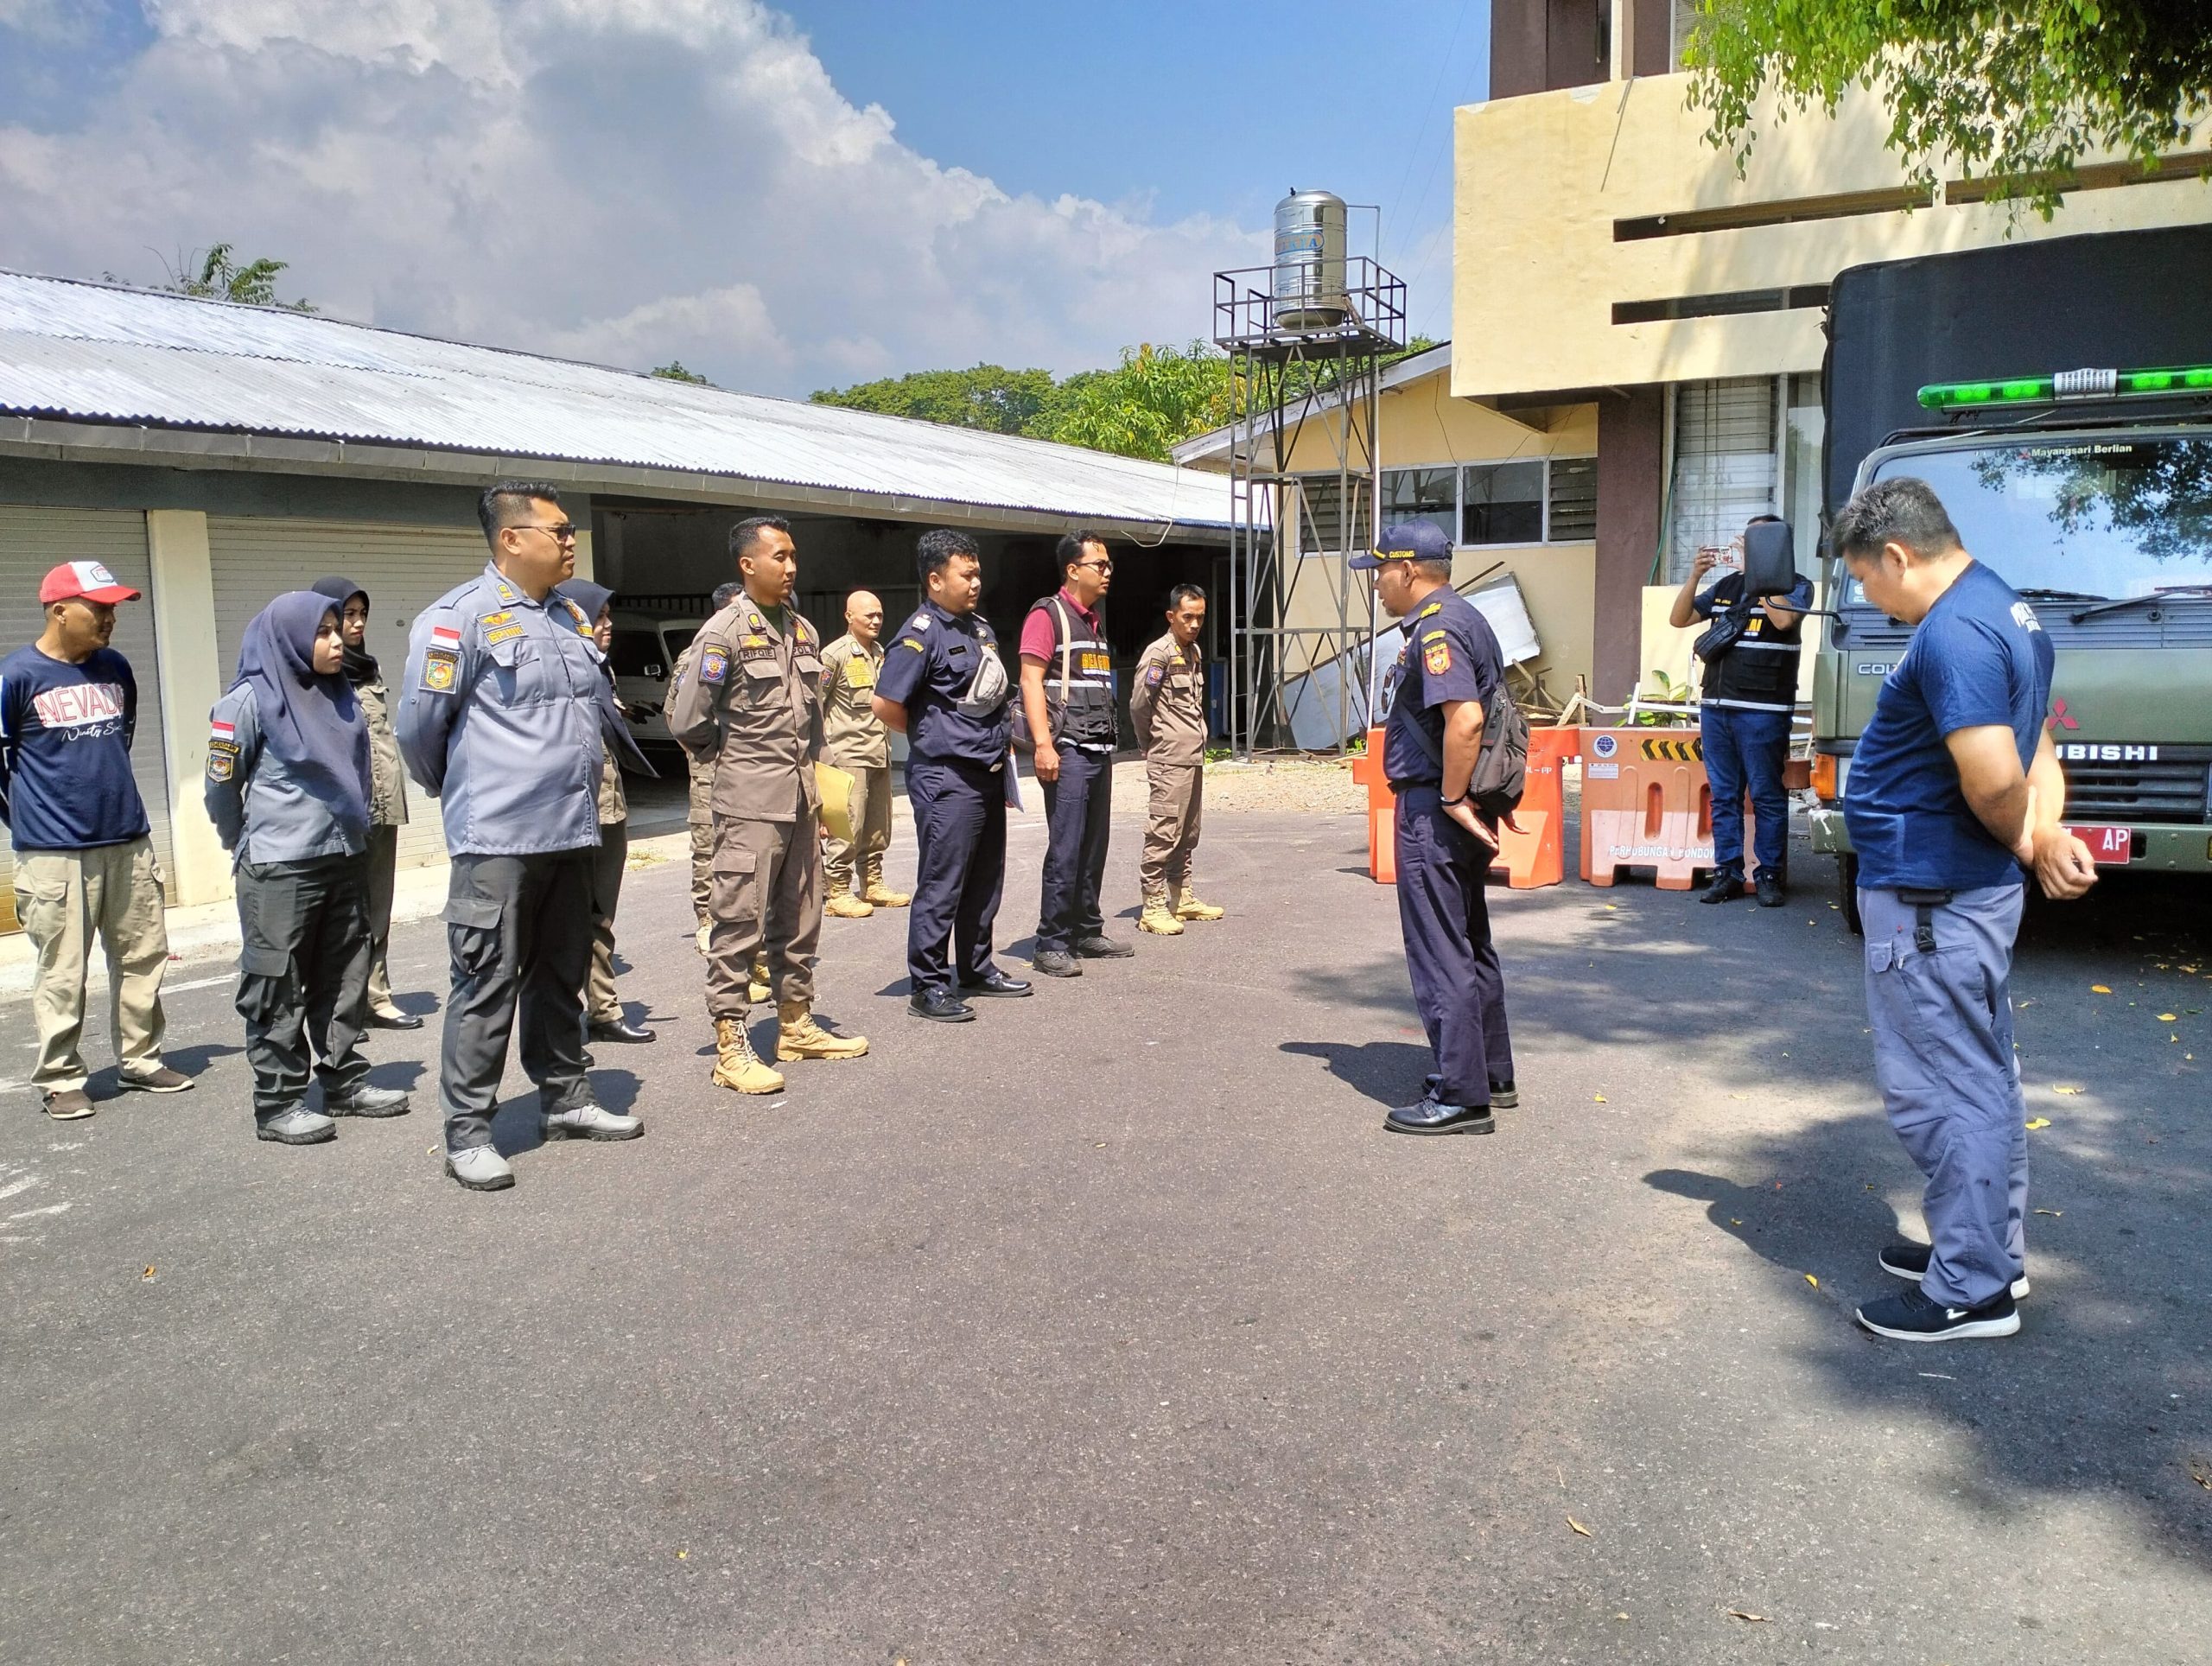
(2068, 385)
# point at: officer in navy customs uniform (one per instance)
(505, 719)
(944, 686)
(1449, 665)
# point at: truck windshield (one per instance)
(2118, 517)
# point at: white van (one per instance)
(643, 655)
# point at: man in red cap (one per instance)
(84, 862)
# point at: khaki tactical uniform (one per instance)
(751, 699)
(855, 740)
(701, 818)
(1167, 708)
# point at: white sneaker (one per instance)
(480, 1168)
(590, 1123)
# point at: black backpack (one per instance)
(1501, 771)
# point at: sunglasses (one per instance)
(565, 532)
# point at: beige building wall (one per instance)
(1422, 425)
(1543, 180)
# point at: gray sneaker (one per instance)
(365, 1100)
(480, 1168)
(298, 1126)
(590, 1123)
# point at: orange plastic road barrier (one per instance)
(1645, 804)
(1532, 849)
(1382, 812)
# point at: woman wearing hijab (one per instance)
(387, 792)
(602, 1007)
(288, 788)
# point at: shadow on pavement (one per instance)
(1389, 1072)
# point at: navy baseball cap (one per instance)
(1418, 540)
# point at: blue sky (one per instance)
(785, 197)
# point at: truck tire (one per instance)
(1846, 894)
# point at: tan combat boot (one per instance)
(797, 1036)
(756, 983)
(880, 894)
(1159, 915)
(1187, 906)
(845, 906)
(736, 1065)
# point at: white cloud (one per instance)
(623, 180)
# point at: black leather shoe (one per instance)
(940, 1007)
(1430, 1117)
(1055, 963)
(1725, 888)
(1504, 1096)
(1103, 948)
(1770, 890)
(394, 1020)
(621, 1029)
(998, 984)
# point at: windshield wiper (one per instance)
(2151, 600)
(2038, 595)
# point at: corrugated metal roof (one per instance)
(94, 352)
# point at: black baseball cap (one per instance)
(1415, 540)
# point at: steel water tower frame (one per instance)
(1307, 338)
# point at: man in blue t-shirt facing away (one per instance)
(84, 862)
(1955, 786)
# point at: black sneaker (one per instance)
(1504, 1096)
(1770, 890)
(1909, 1316)
(1725, 888)
(1909, 1260)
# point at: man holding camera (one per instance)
(1750, 690)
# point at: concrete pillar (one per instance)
(189, 675)
(1631, 453)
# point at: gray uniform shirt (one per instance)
(262, 813)
(504, 718)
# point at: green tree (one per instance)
(2016, 90)
(217, 277)
(673, 371)
(1154, 398)
(988, 396)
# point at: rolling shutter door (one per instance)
(1724, 465)
(404, 569)
(33, 539)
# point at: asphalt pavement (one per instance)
(1112, 1327)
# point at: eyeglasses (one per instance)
(565, 532)
(1100, 566)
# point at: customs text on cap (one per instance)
(1418, 540)
(87, 579)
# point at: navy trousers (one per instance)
(1076, 810)
(1458, 986)
(1942, 1024)
(1746, 749)
(960, 839)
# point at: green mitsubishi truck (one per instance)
(2089, 490)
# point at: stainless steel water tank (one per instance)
(1309, 276)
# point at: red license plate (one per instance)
(2108, 845)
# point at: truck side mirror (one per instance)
(1770, 559)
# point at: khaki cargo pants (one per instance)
(767, 906)
(1171, 832)
(871, 807)
(62, 897)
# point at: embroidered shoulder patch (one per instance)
(504, 632)
(505, 616)
(909, 642)
(1436, 656)
(920, 622)
(440, 666)
(221, 765)
(1433, 607)
(1152, 677)
(714, 666)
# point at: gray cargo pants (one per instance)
(303, 976)
(1939, 1003)
(518, 930)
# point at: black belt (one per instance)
(1924, 904)
(1403, 787)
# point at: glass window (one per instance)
(1573, 509)
(1725, 467)
(637, 653)
(1505, 504)
(1429, 494)
(1321, 522)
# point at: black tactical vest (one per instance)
(1081, 711)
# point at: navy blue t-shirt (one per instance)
(65, 751)
(1979, 659)
(1451, 653)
